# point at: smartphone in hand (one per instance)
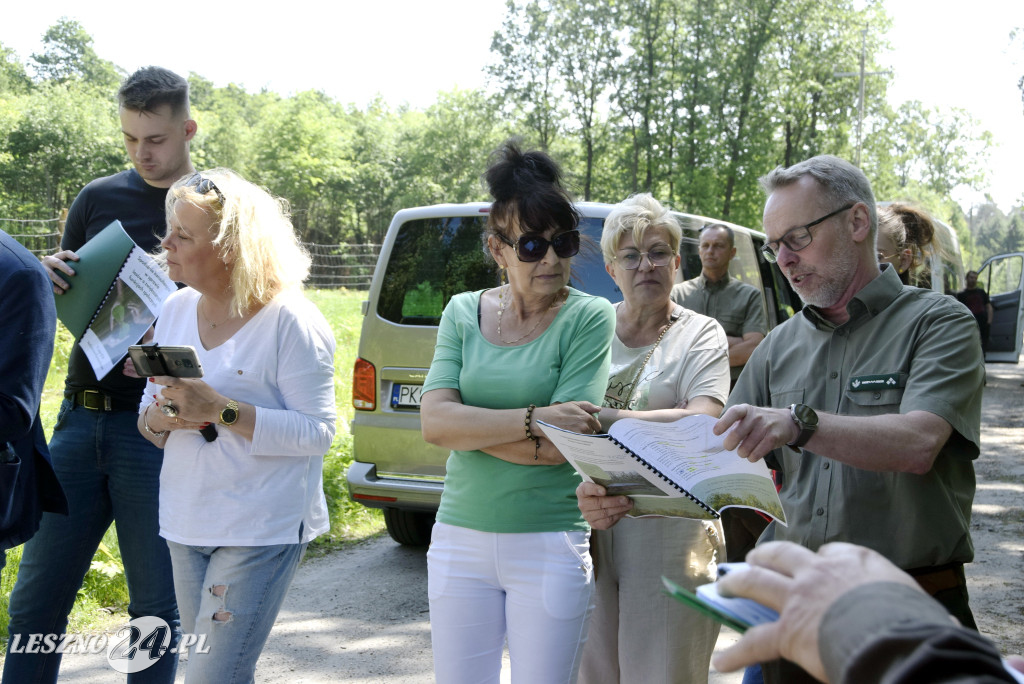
(152, 359)
(736, 613)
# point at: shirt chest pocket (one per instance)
(876, 402)
(731, 322)
(787, 398)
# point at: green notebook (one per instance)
(100, 261)
(115, 295)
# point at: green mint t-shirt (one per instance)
(568, 362)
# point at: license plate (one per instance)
(406, 396)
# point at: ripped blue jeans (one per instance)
(230, 595)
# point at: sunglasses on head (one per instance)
(204, 185)
(533, 247)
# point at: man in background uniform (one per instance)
(735, 305)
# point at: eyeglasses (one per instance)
(797, 238)
(660, 256)
(531, 248)
(203, 186)
(883, 257)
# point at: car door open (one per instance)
(1002, 277)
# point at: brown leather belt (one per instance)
(94, 400)
(934, 580)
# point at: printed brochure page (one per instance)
(670, 469)
(131, 307)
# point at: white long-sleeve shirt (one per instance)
(236, 492)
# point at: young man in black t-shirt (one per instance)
(108, 471)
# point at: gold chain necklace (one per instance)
(501, 310)
(673, 317)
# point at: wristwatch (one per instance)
(806, 419)
(229, 414)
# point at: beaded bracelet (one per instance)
(529, 433)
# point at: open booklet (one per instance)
(677, 469)
(115, 295)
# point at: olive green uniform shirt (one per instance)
(904, 349)
(734, 304)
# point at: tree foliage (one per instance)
(993, 232)
(68, 55)
(56, 139)
(13, 77)
(691, 100)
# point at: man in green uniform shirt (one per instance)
(868, 400)
(735, 305)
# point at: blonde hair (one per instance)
(637, 213)
(910, 228)
(253, 231)
(891, 225)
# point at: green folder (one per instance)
(100, 262)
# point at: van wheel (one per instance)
(409, 528)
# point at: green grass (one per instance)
(103, 598)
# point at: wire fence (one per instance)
(39, 236)
(334, 266)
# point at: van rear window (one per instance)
(434, 259)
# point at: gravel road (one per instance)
(361, 615)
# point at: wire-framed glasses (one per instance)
(797, 238)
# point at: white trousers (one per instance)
(532, 588)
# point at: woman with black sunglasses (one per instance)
(509, 554)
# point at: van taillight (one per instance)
(364, 386)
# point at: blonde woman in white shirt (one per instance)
(667, 363)
(238, 511)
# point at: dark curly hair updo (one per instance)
(527, 187)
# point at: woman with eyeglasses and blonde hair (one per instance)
(667, 363)
(509, 555)
(241, 500)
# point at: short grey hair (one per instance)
(636, 214)
(841, 181)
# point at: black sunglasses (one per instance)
(204, 185)
(531, 248)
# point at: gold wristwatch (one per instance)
(229, 414)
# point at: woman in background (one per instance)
(905, 236)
